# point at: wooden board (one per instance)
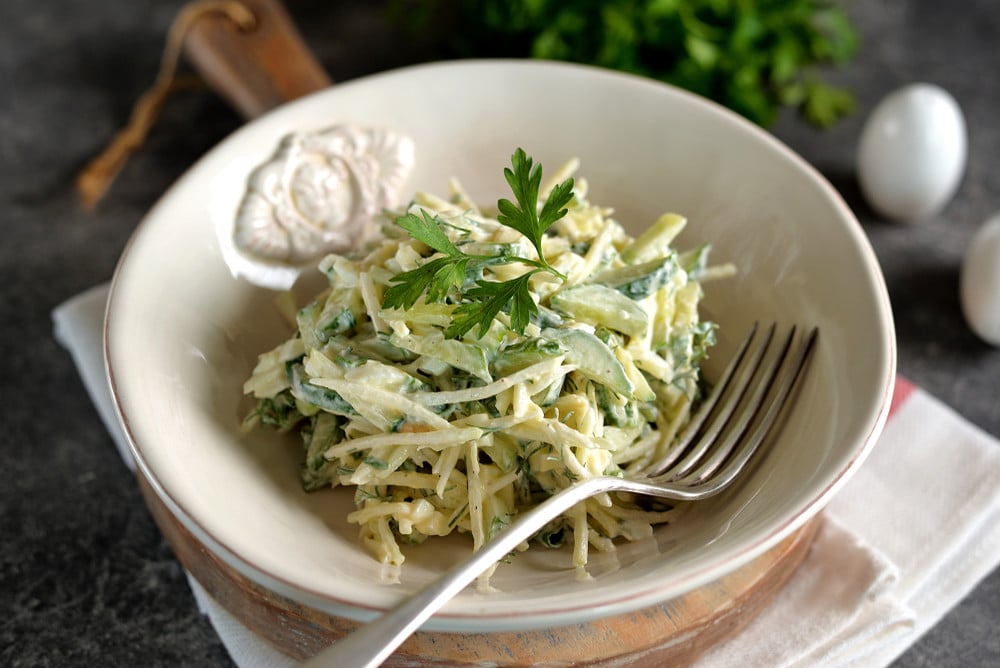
(672, 633)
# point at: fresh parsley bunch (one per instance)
(754, 56)
(437, 279)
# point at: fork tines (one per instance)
(741, 409)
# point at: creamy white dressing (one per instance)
(320, 193)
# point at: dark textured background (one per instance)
(85, 578)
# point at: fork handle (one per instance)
(372, 644)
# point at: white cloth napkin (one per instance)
(900, 546)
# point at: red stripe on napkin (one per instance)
(902, 391)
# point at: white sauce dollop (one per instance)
(319, 193)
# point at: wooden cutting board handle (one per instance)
(256, 67)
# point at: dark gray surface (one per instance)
(85, 578)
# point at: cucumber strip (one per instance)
(638, 281)
(466, 356)
(525, 353)
(382, 408)
(695, 261)
(655, 241)
(599, 305)
(325, 398)
(317, 471)
(592, 358)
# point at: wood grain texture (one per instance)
(675, 632)
(258, 69)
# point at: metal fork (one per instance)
(711, 452)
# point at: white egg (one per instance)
(980, 282)
(912, 153)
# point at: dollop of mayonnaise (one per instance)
(320, 193)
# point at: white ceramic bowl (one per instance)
(182, 334)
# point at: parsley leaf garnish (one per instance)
(524, 181)
(427, 229)
(435, 277)
(487, 299)
(478, 306)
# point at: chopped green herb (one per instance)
(479, 306)
(754, 57)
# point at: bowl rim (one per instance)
(630, 601)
